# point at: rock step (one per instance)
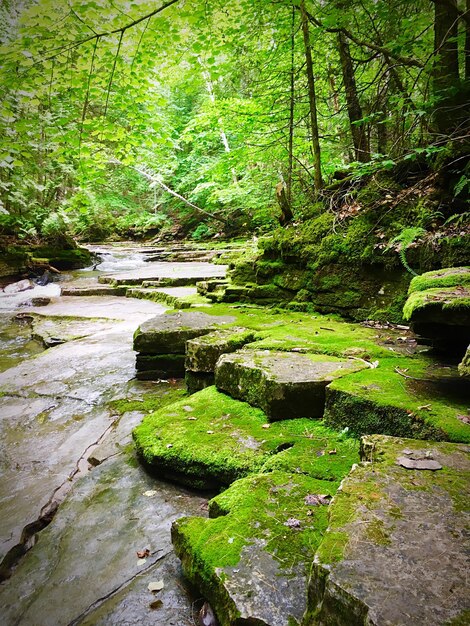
(158, 271)
(97, 290)
(173, 296)
(168, 334)
(284, 384)
(202, 353)
(210, 440)
(252, 557)
(395, 551)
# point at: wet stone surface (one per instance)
(396, 550)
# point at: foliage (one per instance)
(404, 241)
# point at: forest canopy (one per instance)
(194, 117)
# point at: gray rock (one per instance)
(284, 384)
(203, 352)
(396, 551)
(151, 366)
(196, 381)
(168, 334)
(21, 285)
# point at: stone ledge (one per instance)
(284, 384)
(395, 549)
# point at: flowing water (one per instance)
(69, 531)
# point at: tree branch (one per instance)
(366, 44)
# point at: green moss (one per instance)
(381, 400)
(378, 533)
(211, 439)
(251, 515)
(443, 299)
(448, 277)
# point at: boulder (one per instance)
(155, 366)
(284, 384)
(168, 334)
(395, 551)
(21, 285)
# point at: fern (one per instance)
(404, 240)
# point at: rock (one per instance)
(209, 286)
(156, 272)
(94, 290)
(211, 440)
(197, 381)
(464, 365)
(438, 308)
(152, 367)
(167, 334)
(40, 301)
(246, 559)
(395, 551)
(404, 397)
(21, 285)
(284, 384)
(176, 297)
(202, 353)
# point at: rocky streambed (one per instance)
(66, 416)
(310, 524)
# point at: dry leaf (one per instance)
(464, 418)
(192, 419)
(155, 586)
(142, 554)
(266, 426)
(210, 432)
(188, 408)
(150, 493)
(332, 451)
(169, 445)
(425, 407)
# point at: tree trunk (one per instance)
(467, 43)
(358, 131)
(312, 98)
(446, 62)
(291, 114)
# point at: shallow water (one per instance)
(55, 414)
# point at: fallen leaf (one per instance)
(143, 553)
(317, 499)
(464, 418)
(155, 586)
(210, 432)
(150, 493)
(292, 522)
(424, 407)
(192, 419)
(169, 445)
(419, 464)
(332, 451)
(266, 426)
(374, 365)
(156, 604)
(188, 408)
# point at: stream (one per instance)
(76, 506)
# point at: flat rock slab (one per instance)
(401, 397)
(210, 439)
(155, 271)
(51, 331)
(96, 290)
(85, 569)
(203, 352)
(396, 551)
(168, 334)
(284, 384)
(252, 558)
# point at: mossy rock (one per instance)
(211, 440)
(13, 260)
(168, 334)
(464, 365)
(403, 398)
(284, 384)
(63, 259)
(203, 352)
(395, 543)
(441, 316)
(197, 381)
(251, 559)
(447, 277)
